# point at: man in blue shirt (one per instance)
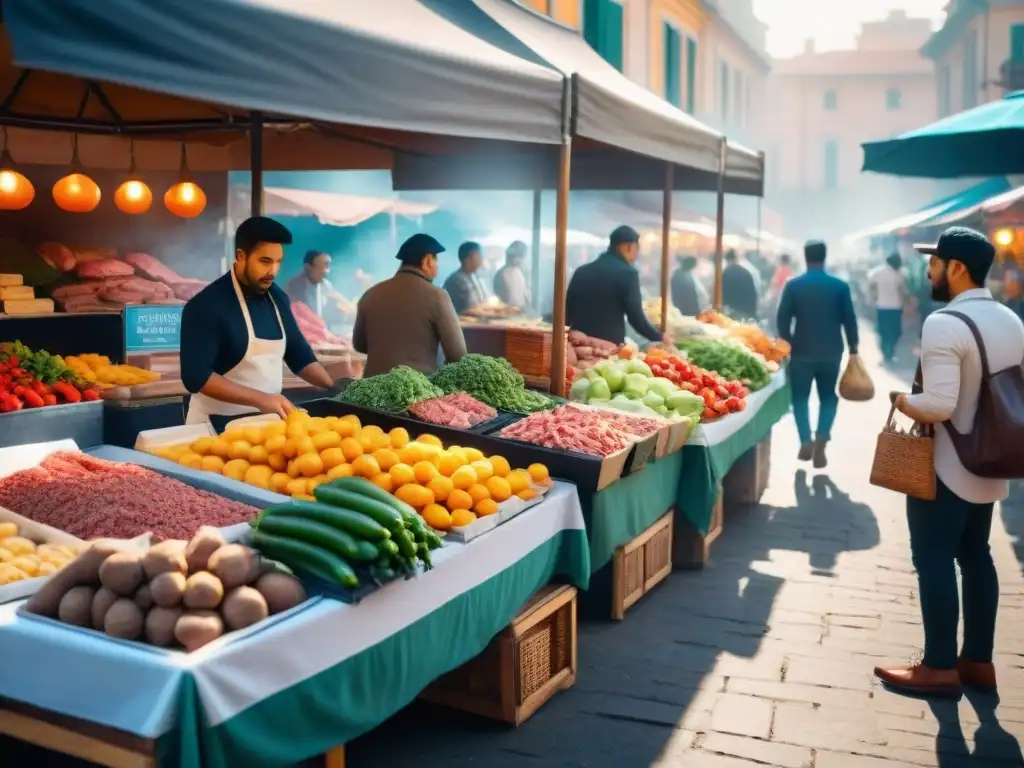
(821, 308)
(239, 331)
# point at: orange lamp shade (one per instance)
(16, 191)
(133, 197)
(185, 199)
(76, 193)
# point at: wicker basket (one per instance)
(905, 462)
(523, 667)
(641, 564)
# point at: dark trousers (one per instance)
(942, 532)
(890, 328)
(823, 375)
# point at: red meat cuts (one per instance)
(92, 498)
(82, 303)
(105, 268)
(153, 268)
(631, 424)
(57, 256)
(132, 290)
(186, 289)
(569, 429)
(90, 288)
(458, 410)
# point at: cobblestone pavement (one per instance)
(764, 657)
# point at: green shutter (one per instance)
(603, 28)
(691, 75)
(1017, 42)
(614, 34)
(673, 65)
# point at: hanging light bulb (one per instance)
(76, 192)
(16, 191)
(185, 199)
(133, 196)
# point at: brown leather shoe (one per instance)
(921, 680)
(820, 459)
(977, 674)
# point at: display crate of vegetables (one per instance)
(720, 396)
(351, 539)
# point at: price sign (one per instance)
(151, 328)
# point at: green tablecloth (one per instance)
(704, 466)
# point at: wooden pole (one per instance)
(256, 163)
(558, 340)
(723, 151)
(666, 234)
(535, 252)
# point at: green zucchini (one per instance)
(364, 487)
(389, 548)
(433, 540)
(423, 552)
(350, 521)
(303, 556)
(313, 532)
(406, 544)
(384, 514)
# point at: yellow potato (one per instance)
(8, 529)
(27, 564)
(47, 569)
(9, 574)
(19, 545)
(6, 555)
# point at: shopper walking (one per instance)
(889, 293)
(814, 312)
(954, 528)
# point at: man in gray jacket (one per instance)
(405, 319)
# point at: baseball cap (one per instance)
(962, 244)
(416, 247)
(623, 234)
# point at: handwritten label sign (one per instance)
(152, 329)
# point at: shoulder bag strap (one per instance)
(985, 373)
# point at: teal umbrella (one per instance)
(984, 141)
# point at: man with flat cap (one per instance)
(405, 319)
(605, 293)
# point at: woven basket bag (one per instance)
(905, 462)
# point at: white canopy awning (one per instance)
(337, 210)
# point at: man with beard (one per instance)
(954, 527)
(239, 331)
(406, 319)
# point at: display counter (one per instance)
(323, 677)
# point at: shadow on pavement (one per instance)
(993, 745)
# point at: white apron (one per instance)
(261, 368)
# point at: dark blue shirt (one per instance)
(214, 337)
(820, 305)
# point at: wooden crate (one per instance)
(94, 743)
(521, 668)
(691, 548)
(529, 351)
(641, 564)
(746, 482)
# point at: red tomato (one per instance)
(709, 397)
(708, 415)
(741, 405)
(722, 392)
(687, 386)
(720, 407)
(733, 403)
(709, 380)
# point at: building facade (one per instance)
(978, 53)
(821, 106)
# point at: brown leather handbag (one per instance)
(994, 447)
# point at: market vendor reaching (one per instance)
(237, 332)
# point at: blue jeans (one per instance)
(890, 328)
(823, 374)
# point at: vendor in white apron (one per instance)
(239, 332)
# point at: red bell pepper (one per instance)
(32, 399)
(67, 392)
(90, 394)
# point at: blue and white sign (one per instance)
(152, 328)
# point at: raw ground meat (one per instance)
(57, 256)
(93, 498)
(90, 288)
(458, 410)
(631, 424)
(153, 268)
(105, 268)
(569, 429)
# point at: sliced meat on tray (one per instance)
(93, 498)
(458, 410)
(153, 268)
(105, 268)
(570, 429)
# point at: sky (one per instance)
(831, 23)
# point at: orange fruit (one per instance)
(383, 481)
(365, 466)
(411, 453)
(402, 474)
(236, 469)
(386, 458)
(437, 517)
(258, 475)
(326, 439)
(472, 454)
(259, 455)
(499, 488)
(339, 470)
(239, 449)
(293, 469)
(499, 466)
(310, 464)
(202, 445)
(220, 447)
(291, 447)
(275, 443)
(298, 415)
(313, 482)
(190, 460)
(527, 495)
(485, 507)
(277, 462)
(296, 486)
(367, 441)
(483, 470)
(279, 481)
(331, 421)
(459, 499)
(538, 472)
(295, 430)
(305, 445)
(441, 487)
(254, 435)
(425, 471)
(415, 495)
(346, 428)
(372, 429)
(458, 452)
(478, 492)
(461, 517)
(303, 497)
(463, 477)
(351, 448)
(277, 429)
(518, 480)
(212, 464)
(332, 457)
(448, 462)
(430, 440)
(316, 426)
(398, 437)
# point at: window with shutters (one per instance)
(691, 75)
(603, 29)
(672, 48)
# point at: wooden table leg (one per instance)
(335, 758)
